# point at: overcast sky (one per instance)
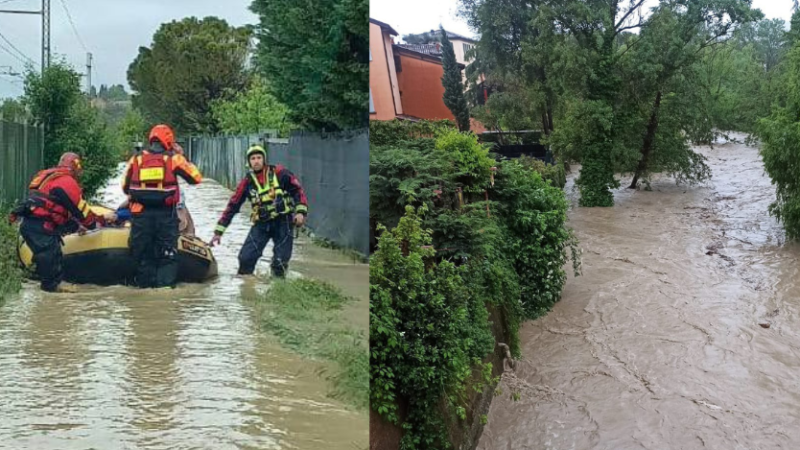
(416, 16)
(113, 30)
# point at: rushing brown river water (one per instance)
(659, 345)
(120, 368)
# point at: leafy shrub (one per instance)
(427, 330)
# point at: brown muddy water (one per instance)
(660, 343)
(120, 368)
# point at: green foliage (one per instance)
(780, 149)
(427, 330)
(507, 254)
(251, 111)
(780, 136)
(10, 272)
(71, 124)
(13, 110)
(114, 93)
(132, 129)
(556, 174)
(305, 315)
(453, 87)
(576, 71)
(392, 132)
(190, 64)
(316, 56)
(535, 214)
(469, 158)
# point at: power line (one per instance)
(17, 50)
(2, 47)
(74, 28)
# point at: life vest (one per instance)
(42, 205)
(269, 201)
(153, 180)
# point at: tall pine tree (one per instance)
(453, 87)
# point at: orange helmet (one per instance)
(163, 133)
(71, 161)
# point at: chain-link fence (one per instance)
(333, 168)
(21, 156)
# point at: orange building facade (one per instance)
(404, 83)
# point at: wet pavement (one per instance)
(662, 342)
(116, 367)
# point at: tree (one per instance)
(675, 38)
(251, 111)
(190, 64)
(516, 51)
(130, 130)
(70, 123)
(428, 37)
(116, 93)
(13, 110)
(315, 54)
(453, 88)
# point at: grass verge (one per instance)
(10, 272)
(305, 315)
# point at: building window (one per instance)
(370, 54)
(467, 48)
(371, 105)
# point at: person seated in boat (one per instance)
(123, 215)
(120, 217)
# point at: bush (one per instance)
(470, 159)
(507, 252)
(392, 132)
(427, 330)
(555, 173)
(10, 272)
(539, 241)
(780, 150)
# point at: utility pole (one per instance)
(89, 73)
(45, 34)
(45, 13)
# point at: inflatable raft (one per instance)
(102, 257)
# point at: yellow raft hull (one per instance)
(103, 257)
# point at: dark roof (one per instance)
(452, 35)
(428, 49)
(402, 49)
(385, 26)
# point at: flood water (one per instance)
(120, 368)
(659, 345)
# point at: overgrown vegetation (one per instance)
(305, 315)
(780, 149)
(315, 54)
(71, 124)
(620, 86)
(10, 272)
(456, 244)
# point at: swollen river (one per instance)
(682, 333)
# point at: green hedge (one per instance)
(446, 255)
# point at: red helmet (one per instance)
(71, 161)
(163, 133)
